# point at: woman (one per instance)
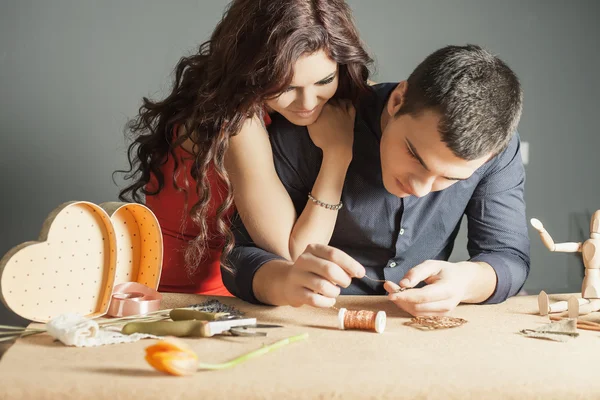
(207, 140)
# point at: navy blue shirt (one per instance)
(389, 235)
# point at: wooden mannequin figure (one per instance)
(590, 288)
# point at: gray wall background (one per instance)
(73, 72)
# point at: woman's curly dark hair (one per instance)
(248, 59)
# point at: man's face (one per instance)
(414, 160)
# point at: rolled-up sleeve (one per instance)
(242, 263)
(497, 224)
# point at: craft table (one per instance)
(484, 359)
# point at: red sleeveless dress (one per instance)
(178, 229)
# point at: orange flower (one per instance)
(173, 357)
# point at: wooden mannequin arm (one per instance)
(567, 247)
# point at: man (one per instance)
(426, 151)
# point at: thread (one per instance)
(400, 289)
(363, 320)
(373, 279)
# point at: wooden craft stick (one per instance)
(581, 324)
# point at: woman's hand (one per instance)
(333, 132)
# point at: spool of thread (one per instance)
(363, 320)
(133, 298)
(124, 296)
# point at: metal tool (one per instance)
(247, 330)
(198, 328)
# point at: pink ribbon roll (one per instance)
(133, 298)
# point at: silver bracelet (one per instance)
(334, 207)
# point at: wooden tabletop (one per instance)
(484, 358)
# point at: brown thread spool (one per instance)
(363, 320)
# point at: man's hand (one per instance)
(317, 275)
(448, 284)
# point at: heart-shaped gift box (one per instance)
(83, 251)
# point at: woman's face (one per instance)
(315, 82)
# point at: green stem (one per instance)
(11, 333)
(12, 327)
(31, 333)
(255, 353)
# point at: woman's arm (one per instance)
(333, 133)
(261, 199)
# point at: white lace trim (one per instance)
(76, 330)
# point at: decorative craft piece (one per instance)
(215, 306)
(560, 331)
(433, 322)
(363, 320)
(82, 252)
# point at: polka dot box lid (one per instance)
(83, 251)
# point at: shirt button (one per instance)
(402, 231)
(393, 264)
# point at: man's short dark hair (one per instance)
(477, 95)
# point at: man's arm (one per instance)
(498, 246)
(242, 264)
(497, 224)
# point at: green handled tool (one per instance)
(197, 328)
(186, 314)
